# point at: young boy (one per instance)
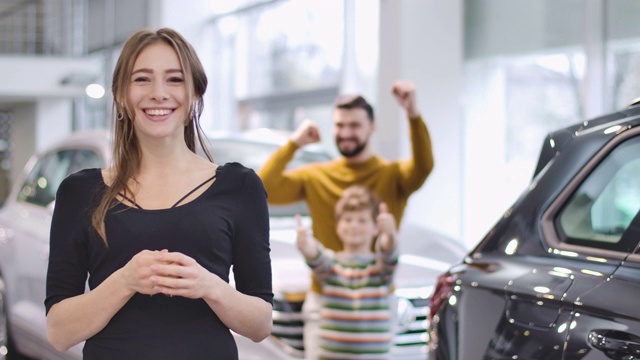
(356, 281)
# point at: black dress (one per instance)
(226, 226)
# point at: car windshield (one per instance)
(253, 154)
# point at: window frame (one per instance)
(552, 234)
(614, 160)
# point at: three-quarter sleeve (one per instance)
(68, 266)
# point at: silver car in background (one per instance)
(24, 248)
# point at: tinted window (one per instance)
(41, 185)
(603, 207)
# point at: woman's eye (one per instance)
(175, 79)
(140, 79)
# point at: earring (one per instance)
(120, 115)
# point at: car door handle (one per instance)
(614, 341)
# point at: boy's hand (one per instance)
(386, 222)
(304, 241)
(386, 229)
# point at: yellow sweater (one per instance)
(321, 184)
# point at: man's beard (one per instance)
(351, 153)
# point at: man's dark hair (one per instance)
(354, 102)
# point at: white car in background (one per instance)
(24, 248)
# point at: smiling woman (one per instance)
(158, 231)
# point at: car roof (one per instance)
(557, 140)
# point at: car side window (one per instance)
(603, 207)
(41, 185)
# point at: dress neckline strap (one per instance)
(130, 200)
(193, 190)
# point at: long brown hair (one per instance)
(126, 148)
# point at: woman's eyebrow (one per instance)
(143, 70)
(149, 71)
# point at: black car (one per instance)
(558, 276)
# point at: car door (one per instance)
(606, 321)
(602, 220)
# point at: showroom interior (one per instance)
(492, 76)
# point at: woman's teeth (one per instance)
(157, 112)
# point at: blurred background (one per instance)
(493, 77)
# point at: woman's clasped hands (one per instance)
(153, 272)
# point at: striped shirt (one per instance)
(355, 317)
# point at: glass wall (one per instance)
(276, 63)
(530, 68)
(53, 27)
(623, 52)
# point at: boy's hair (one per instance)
(350, 102)
(356, 198)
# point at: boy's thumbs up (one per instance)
(304, 241)
(386, 221)
(382, 209)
